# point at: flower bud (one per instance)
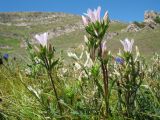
(104, 49)
(105, 18)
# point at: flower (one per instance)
(85, 20)
(91, 16)
(42, 39)
(5, 56)
(127, 45)
(93, 23)
(119, 60)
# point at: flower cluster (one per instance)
(93, 23)
(42, 39)
(127, 45)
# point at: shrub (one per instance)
(157, 19)
(139, 24)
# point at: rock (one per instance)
(64, 30)
(132, 28)
(151, 25)
(149, 16)
(149, 19)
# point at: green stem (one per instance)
(55, 92)
(105, 81)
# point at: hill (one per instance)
(67, 31)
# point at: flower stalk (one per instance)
(46, 53)
(105, 79)
(96, 28)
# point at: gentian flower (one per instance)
(119, 60)
(127, 45)
(93, 23)
(42, 39)
(5, 56)
(91, 16)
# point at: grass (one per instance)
(146, 40)
(25, 96)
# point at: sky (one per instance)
(123, 10)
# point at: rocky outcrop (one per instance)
(64, 30)
(31, 18)
(148, 23)
(151, 25)
(132, 28)
(149, 19)
(149, 16)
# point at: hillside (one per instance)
(67, 31)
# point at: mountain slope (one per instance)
(66, 31)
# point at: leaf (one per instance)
(54, 63)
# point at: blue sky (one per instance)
(124, 10)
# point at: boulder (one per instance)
(149, 16)
(132, 28)
(149, 19)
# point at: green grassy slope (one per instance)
(148, 41)
(12, 34)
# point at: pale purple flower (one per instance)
(42, 39)
(85, 20)
(127, 44)
(92, 16)
(6, 56)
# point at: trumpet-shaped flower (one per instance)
(5, 56)
(42, 39)
(92, 16)
(127, 44)
(119, 60)
(93, 23)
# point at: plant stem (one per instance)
(105, 81)
(55, 92)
